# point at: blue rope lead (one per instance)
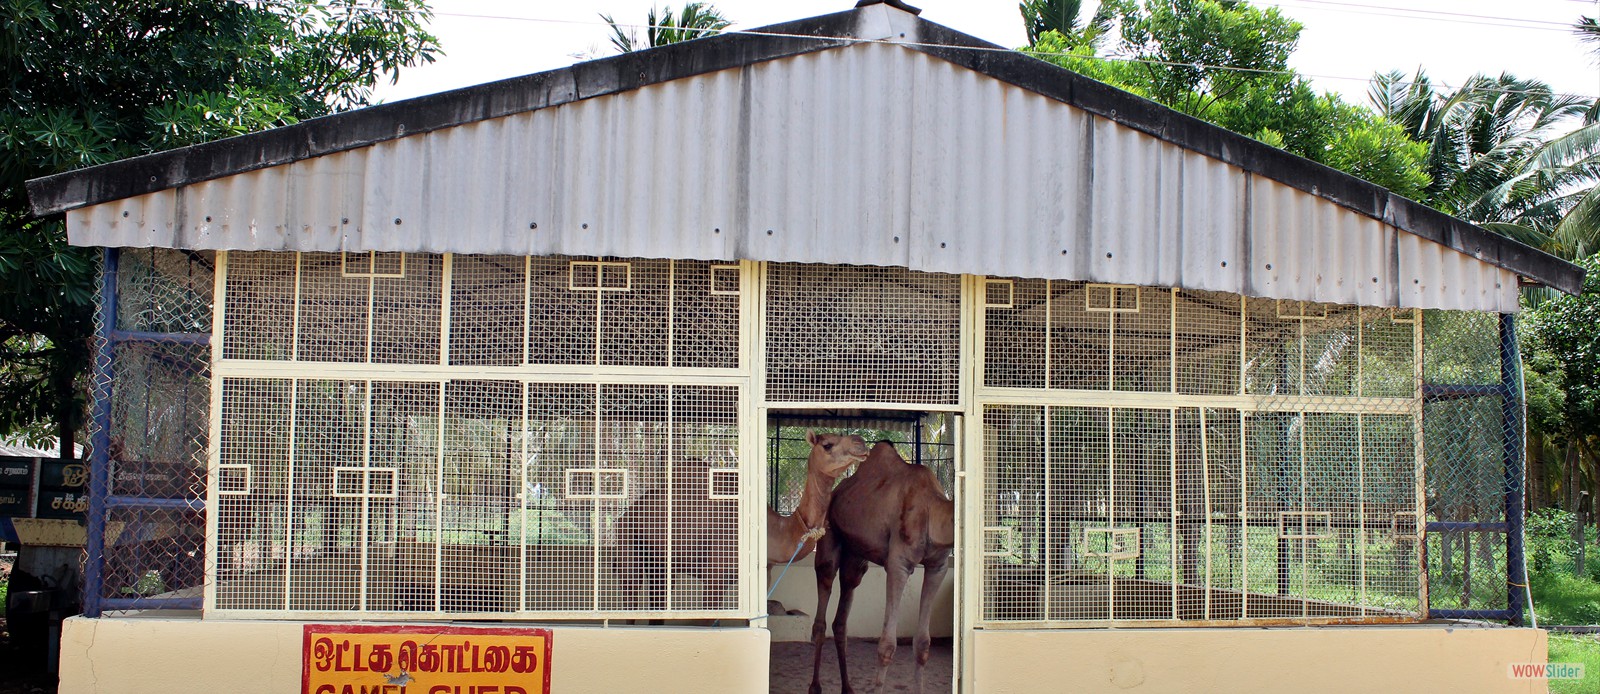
(785, 571)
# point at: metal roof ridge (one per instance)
(870, 21)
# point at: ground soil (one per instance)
(791, 667)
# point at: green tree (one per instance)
(1480, 139)
(694, 21)
(1562, 351)
(93, 81)
(1227, 62)
(1040, 17)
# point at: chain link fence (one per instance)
(1472, 441)
(149, 430)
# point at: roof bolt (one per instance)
(1269, 266)
(397, 221)
(1063, 251)
(1224, 263)
(717, 230)
(586, 225)
(208, 219)
(941, 244)
(533, 225)
(124, 213)
(1108, 254)
(769, 232)
(1374, 279)
(897, 239)
(344, 220)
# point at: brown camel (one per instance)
(831, 456)
(893, 514)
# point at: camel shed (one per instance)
(519, 352)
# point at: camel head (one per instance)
(833, 454)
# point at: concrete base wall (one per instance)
(1423, 658)
(798, 591)
(158, 655)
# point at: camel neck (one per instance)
(813, 506)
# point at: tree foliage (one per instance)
(93, 81)
(1227, 62)
(695, 20)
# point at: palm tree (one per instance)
(1061, 16)
(694, 21)
(1481, 139)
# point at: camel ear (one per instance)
(811, 436)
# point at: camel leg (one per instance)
(932, 577)
(851, 569)
(826, 565)
(894, 586)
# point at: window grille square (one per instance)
(1111, 298)
(601, 276)
(1112, 543)
(584, 276)
(616, 276)
(355, 264)
(613, 483)
(998, 293)
(601, 483)
(722, 483)
(1305, 525)
(349, 482)
(383, 482)
(1301, 310)
(999, 541)
(372, 264)
(725, 279)
(233, 479)
(388, 264)
(1406, 525)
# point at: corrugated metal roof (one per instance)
(868, 154)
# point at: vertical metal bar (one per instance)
(1511, 449)
(366, 468)
(1172, 497)
(219, 321)
(438, 468)
(916, 438)
(1111, 511)
(1205, 476)
(100, 457)
(522, 493)
(288, 503)
(1361, 508)
(1044, 541)
(672, 462)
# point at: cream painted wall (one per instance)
(1302, 660)
(798, 591)
(139, 655)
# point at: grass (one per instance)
(1571, 648)
(1561, 598)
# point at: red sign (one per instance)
(411, 659)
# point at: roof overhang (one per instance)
(1263, 168)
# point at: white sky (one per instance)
(486, 40)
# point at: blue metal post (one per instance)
(100, 456)
(1511, 426)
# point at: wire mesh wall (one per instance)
(842, 333)
(514, 436)
(1472, 427)
(450, 484)
(149, 431)
(1274, 480)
